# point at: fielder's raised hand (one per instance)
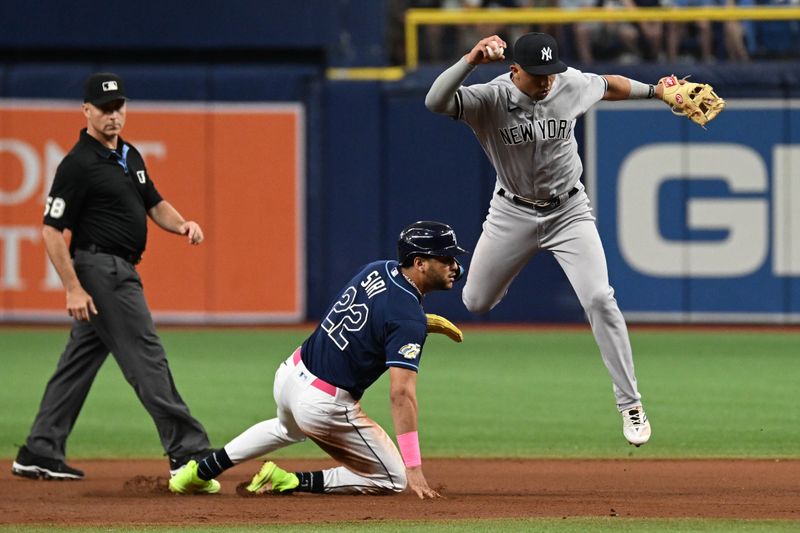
(487, 50)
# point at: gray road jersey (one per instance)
(531, 143)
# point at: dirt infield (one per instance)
(119, 493)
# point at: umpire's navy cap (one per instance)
(103, 87)
(537, 54)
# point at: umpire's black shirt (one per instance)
(102, 196)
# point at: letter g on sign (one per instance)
(745, 219)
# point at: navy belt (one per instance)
(127, 255)
(539, 205)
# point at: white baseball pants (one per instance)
(336, 422)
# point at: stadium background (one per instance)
(296, 134)
(354, 156)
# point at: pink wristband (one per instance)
(409, 448)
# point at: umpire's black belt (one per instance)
(127, 255)
(539, 205)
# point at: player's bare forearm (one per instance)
(403, 395)
(660, 91)
(622, 88)
(169, 219)
(619, 87)
(403, 398)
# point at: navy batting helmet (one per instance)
(427, 237)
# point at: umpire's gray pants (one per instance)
(124, 327)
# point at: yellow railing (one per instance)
(418, 17)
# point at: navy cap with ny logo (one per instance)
(537, 54)
(103, 87)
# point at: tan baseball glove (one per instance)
(439, 324)
(697, 101)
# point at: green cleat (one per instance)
(186, 481)
(274, 480)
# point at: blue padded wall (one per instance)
(254, 83)
(376, 159)
(351, 216)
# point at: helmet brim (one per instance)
(450, 251)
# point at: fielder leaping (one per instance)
(524, 121)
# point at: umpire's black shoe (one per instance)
(175, 463)
(33, 466)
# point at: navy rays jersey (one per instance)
(376, 322)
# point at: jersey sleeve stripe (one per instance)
(459, 106)
(399, 363)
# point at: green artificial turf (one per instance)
(533, 393)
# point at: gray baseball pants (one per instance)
(513, 234)
(124, 327)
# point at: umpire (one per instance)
(102, 194)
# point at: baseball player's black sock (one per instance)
(310, 482)
(213, 465)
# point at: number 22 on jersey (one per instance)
(346, 315)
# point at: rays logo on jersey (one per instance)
(410, 350)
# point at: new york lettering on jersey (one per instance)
(531, 143)
(538, 130)
(375, 322)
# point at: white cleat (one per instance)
(635, 425)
